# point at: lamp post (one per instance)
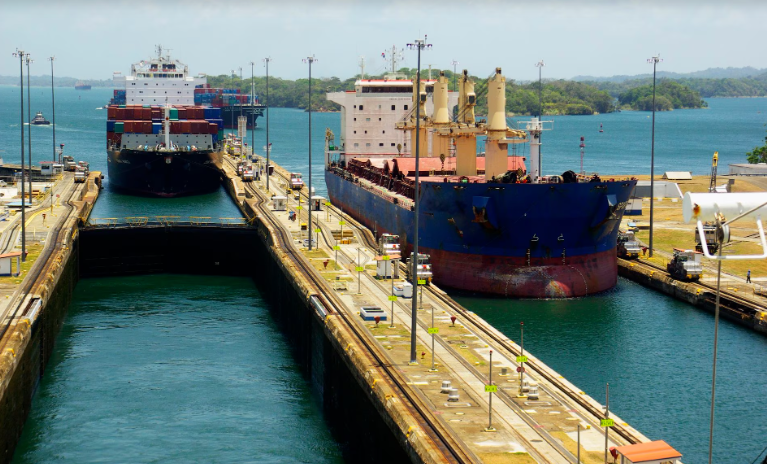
(268, 148)
(418, 44)
(21, 54)
(239, 85)
(29, 60)
(310, 60)
(53, 102)
(654, 60)
(540, 66)
(455, 64)
(252, 94)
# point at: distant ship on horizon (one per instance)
(80, 85)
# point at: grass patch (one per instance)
(507, 458)
(588, 457)
(33, 252)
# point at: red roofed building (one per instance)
(654, 452)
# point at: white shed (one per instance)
(279, 203)
(6, 263)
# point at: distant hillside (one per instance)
(710, 73)
(45, 81)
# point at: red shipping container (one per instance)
(146, 127)
(156, 113)
(128, 113)
(186, 127)
(111, 113)
(119, 114)
(175, 127)
(212, 128)
(182, 114)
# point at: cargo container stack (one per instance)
(232, 103)
(148, 119)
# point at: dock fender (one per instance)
(485, 213)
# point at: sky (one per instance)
(91, 39)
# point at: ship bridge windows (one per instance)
(393, 107)
(361, 107)
(387, 89)
(380, 144)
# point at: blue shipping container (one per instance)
(156, 127)
(110, 126)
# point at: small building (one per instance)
(50, 168)
(317, 202)
(654, 452)
(660, 189)
(6, 263)
(759, 169)
(677, 175)
(387, 268)
(279, 203)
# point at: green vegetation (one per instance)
(669, 95)
(707, 88)
(758, 154)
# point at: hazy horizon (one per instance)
(595, 38)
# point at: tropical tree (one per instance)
(758, 154)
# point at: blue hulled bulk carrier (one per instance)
(490, 224)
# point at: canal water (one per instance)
(654, 351)
(168, 368)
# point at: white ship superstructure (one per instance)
(370, 113)
(157, 81)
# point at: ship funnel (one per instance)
(467, 99)
(440, 115)
(496, 102)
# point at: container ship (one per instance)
(80, 85)
(490, 225)
(164, 151)
(233, 104)
(158, 142)
(152, 81)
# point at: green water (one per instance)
(169, 368)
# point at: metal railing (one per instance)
(165, 221)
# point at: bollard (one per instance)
(453, 396)
(452, 320)
(377, 319)
(446, 388)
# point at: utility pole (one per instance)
(654, 60)
(419, 44)
(540, 66)
(21, 54)
(29, 129)
(455, 64)
(252, 99)
(362, 67)
(268, 148)
(53, 102)
(310, 60)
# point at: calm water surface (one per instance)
(168, 368)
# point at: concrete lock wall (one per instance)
(34, 345)
(356, 421)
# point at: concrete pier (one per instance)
(33, 305)
(473, 419)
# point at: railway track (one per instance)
(451, 449)
(34, 272)
(731, 300)
(365, 237)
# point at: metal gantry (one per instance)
(268, 148)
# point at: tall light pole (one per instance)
(455, 64)
(419, 45)
(239, 85)
(29, 129)
(252, 94)
(540, 66)
(268, 148)
(654, 60)
(310, 60)
(53, 102)
(21, 54)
